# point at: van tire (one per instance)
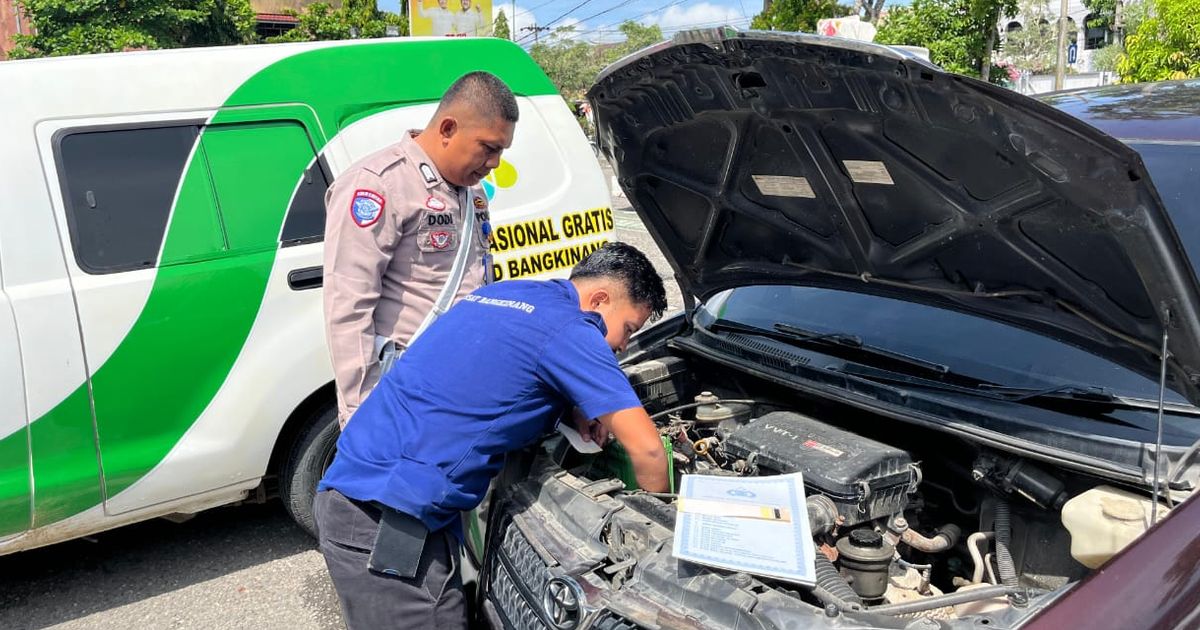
(311, 454)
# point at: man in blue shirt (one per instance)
(492, 375)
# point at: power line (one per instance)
(679, 27)
(651, 12)
(614, 8)
(569, 12)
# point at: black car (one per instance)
(943, 302)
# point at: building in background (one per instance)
(12, 22)
(1086, 40)
(272, 17)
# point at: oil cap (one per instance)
(866, 539)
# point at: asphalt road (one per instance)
(230, 568)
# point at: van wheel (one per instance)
(312, 452)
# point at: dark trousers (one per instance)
(433, 598)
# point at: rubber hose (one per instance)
(939, 601)
(946, 537)
(1005, 569)
(832, 582)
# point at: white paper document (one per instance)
(577, 440)
(757, 525)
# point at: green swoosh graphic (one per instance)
(203, 303)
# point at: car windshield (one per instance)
(974, 346)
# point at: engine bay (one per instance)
(907, 521)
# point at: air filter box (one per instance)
(865, 478)
(659, 383)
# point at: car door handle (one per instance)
(306, 278)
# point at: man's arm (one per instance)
(359, 242)
(636, 432)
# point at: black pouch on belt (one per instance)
(399, 544)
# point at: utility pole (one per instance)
(536, 29)
(1060, 68)
(512, 27)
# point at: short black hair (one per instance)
(485, 92)
(626, 263)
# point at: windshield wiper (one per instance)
(846, 344)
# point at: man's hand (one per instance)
(634, 429)
(590, 431)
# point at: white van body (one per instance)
(162, 348)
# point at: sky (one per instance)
(597, 20)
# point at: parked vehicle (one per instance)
(162, 349)
(945, 303)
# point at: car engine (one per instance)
(906, 522)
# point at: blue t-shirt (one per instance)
(491, 375)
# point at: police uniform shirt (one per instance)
(392, 231)
(492, 375)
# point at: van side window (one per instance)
(305, 221)
(118, 186)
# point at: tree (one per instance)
(797, 15)
(868, 10)
(76, 27)
(572, 64)
(959, 34)
(1165, 44)
(987, 14)
(501, 28)
(1102, 13)
(355, 18)
(1034, 46)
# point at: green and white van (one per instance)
(162, 348)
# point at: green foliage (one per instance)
(797, 15)
(501, 28)
(1165, 45)
(76, 27)
(1105, 59)
(1103, 13)
(572, 64)
(946, 27)
(320, 21)
(1033, 47)
(956, 32)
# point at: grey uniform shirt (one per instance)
(392, 229)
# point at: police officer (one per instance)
(492, 375)
(395, 222)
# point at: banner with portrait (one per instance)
(450, 18)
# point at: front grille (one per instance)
(516, 611)
(517, 578)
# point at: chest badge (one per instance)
(439, 239)
(480, 203)
(433, 203)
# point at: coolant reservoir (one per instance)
(1103, 520)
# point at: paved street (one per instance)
(231, 568)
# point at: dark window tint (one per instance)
(1175, 169)
(118, 186)
(306, 216)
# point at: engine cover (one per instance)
(865, 478)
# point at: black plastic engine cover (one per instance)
(865, 478)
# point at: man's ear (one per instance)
(598, 296)
(447, 127)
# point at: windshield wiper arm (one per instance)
(846, 343)
(856, 343)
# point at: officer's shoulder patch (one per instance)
(365, 207)
(427, 173)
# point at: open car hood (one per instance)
(767, 158)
